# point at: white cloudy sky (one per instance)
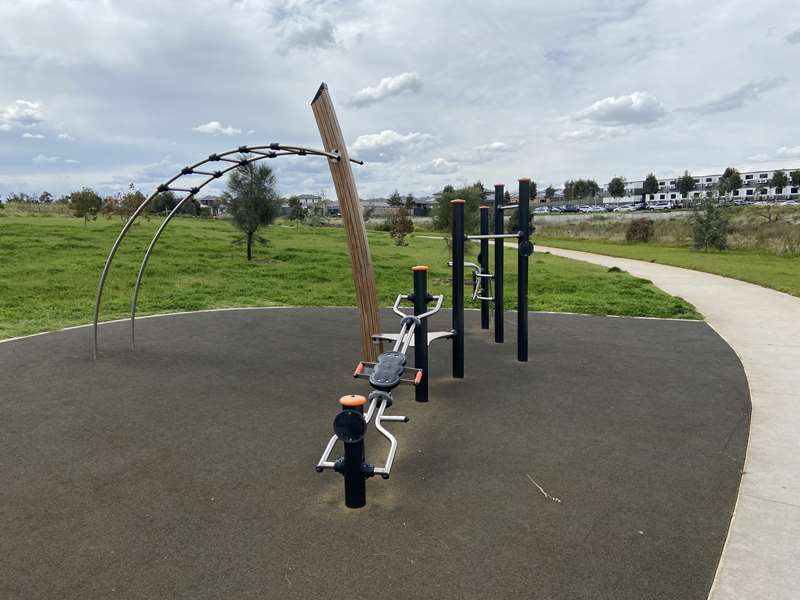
(102, 93)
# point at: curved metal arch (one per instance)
(272, 150)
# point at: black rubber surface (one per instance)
(186, 469)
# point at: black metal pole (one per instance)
(498, 264)
(458, 288)
(484, 262)
(421, 299)
(355, 484)
(522, 269)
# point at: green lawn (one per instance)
(776, 272)
(50, 266)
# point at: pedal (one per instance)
(408, 375)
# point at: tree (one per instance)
(252, 201)
(400, 225)
(534, 189)
(616, 187)
(579, 189)
(85, 203)
(409, 203)
(109, 207)
(795, 177)
(130, 201)
(45, 198)
(314, 217)
(779, 180)
(395, 199)
(550, 192)
(164, 202)
(709, 227)
(730, 181)
(296, 211)
(650, 186)
(443, 211)
(685, 184)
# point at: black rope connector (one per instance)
(217, 174)
(194, 191)
(271, 154)
(163, 188)
(301, 153)
(244, 149)
(244, 162)
(213, 157)
(187, 171)
(274, 146)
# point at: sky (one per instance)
(108, 93)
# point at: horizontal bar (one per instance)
(509, 206)
(492, 236)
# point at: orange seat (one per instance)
(352, 400)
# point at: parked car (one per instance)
(595, 209)
(541, 209)
(570, 208)
(624, 208)
(790, 203)
(660, 206)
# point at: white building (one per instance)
(755, 185)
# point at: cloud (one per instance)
(592, 133)
(386, 88)
(41, 159)
(65, 136)
(216, 128)
(389, 145)
(437, 166)
(792, 152)
(794, 37)
(21, 113)
(758, 158)
(737, 98)
(306, 33)
(635, 108)
(71, 161)
(32, 136)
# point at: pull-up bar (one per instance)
(524, 251)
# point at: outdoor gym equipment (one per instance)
(390, 371)
(199, 175)
(482, 278)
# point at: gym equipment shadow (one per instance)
(606, 467)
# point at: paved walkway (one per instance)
(762, 555)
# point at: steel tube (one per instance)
(484, 261)
(458, 288)
(522, 270)
(499, 311)
(143, 266)
(421, 300)
(187, 171)
(492, 236)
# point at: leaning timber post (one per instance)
(357, 243)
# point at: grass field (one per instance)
(50, 266)
(777, 272)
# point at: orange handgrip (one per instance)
(352, 400)
(359, 369)
(418, 377)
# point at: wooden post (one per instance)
(357, 243)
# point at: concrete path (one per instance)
(762, 555)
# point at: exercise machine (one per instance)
(390, 371)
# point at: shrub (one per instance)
(709, 227)
(640, 230)
(401, 225)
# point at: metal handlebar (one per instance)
(400, 297)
